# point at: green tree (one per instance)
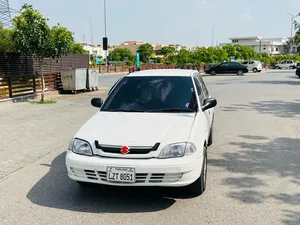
(183, 57)
(121, 54)
(171, 59)
(6, 42)
(220, 55)
(145, 50)
(167, 50)
(77, 49)
(297, 34)
(33, 36)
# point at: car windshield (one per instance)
(151, 94)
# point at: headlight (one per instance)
(177, 150)
(80, 147)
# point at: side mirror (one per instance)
(209, 103)
(97, 102)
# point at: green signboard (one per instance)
(138, 62)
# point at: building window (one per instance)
(277, 49)
(235, 41)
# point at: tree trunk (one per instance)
(41, 61)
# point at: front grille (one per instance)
(132, 150)
(139, 177)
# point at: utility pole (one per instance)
(106, 51)
(292, 23)
(259, 45)
(92, 39)
(213, 37)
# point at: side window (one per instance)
(206, 93)
(198, 86)
(199, 89)
(224, 65)
(234, 64)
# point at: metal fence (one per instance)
(20, 75)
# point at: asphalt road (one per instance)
(253, 173)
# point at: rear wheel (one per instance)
(213, 72)
(255, 70)
(240, 72)
(199, 186)
(277, 67)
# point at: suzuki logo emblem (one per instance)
(125, 150)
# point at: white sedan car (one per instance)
(152, 130)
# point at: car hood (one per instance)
(137, 129)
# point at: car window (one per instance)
(234, 64)
(199, 89)
(245, 63)
(150, 93)
(203, 85)
(198, 86)
(224, 64)
(252, 62)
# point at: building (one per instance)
(94, 49)
(271, 46)
(131, 45)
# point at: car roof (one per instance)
(163, 72)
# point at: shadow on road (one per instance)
(283, 82)
(278, 108)
(56, 190)
(258, 156)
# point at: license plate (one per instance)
(120, 175)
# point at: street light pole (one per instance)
(106, 51)
(292, 23)
(213, 36)
(92, 38)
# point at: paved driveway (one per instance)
(253, 174)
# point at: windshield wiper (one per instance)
(171, 110)
(127, 110)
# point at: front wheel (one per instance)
(213, 73)
(240, 72)
(255, 70)
(199, 186)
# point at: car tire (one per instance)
(255, 70)
(199, 186)
(211, 134)
(213, 73)
(240, 73)
(210, 139)
(277, 67)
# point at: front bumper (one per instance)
(149, 172)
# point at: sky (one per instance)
(186, 22)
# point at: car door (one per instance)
(224, 68)
(206, 95)
(234, 67)
(201, 97)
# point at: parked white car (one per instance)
(287, 64)
(152, 130)
(255, 66)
